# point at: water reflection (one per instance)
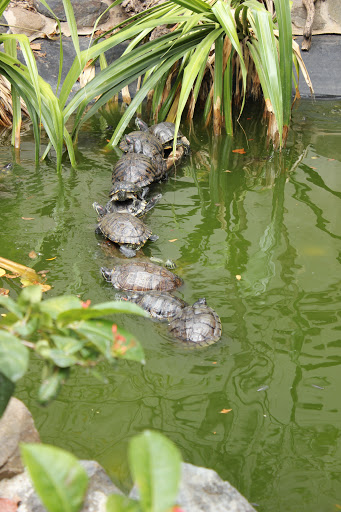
(270, 218)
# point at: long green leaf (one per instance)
(191, 72)
(261, 22)
(225, 17)
(194, 5)
(285, 55)
(228, 96)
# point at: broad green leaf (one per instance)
(60, 358)
(11, 306)
(117, 503)
(14, 356)
(67, 344)
(6, 391)
(57, 305)
(104, 309)
(51, 385)
(155, 464)
(58, 478)
(30, 295)
(111, 340)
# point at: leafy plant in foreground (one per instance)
(64, 332)
(61, 482)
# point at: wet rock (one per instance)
(132, 7)
(86, 13)
(100, 486)
(16, 426)
(202, 490)
(23, 21)
(327, 18)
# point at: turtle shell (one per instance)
(143, 276)
(198, 324)
(136, 168)
(147, 144)
(123, 228)
(160, 305)
(164, 131)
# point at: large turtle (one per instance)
(135, 169)
(198, 324)
(141, 277)
(147, 144)
(164, 131)
(126, 230)
(160, 305)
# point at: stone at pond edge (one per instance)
(86, 12)
(100, 487)
(16, 426)
(202, 490)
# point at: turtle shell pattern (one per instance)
(160, 305)
(136, 168)
(165, 133)
(143, 276)
(150, 146)
(123, 228)
(198, 324)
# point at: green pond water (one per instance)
(272, 219)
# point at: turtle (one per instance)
(164, 131)
(198, 324)
(135, 206)
(147, 144)
(126, 230)
(141, 277)
(160, 305)
(136, 169)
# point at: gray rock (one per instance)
(202, 490)
(16, 426)
(100, 487)
(86, 13)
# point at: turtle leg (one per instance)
(98, 231)
(154, 200)
(153, 238)
(127, 251)
(144, 192)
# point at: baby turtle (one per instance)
(135, 169)
(136, 207)
(160, 305)
(165, 133)
(198, 324)
(129, 232)
(147, 144)
(141, 277)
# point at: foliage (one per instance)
(61, 482)
(64, 332)
(253, 52)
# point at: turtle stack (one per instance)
(145, 283)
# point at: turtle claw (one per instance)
(127, 251)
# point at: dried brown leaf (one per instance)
(225, 411)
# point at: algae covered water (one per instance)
(255, 232)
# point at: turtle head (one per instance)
(141, 125)
(106, 273)
(99, 209)
(200, 302)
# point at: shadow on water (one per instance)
(257, 234)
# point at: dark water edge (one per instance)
(272, 219)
